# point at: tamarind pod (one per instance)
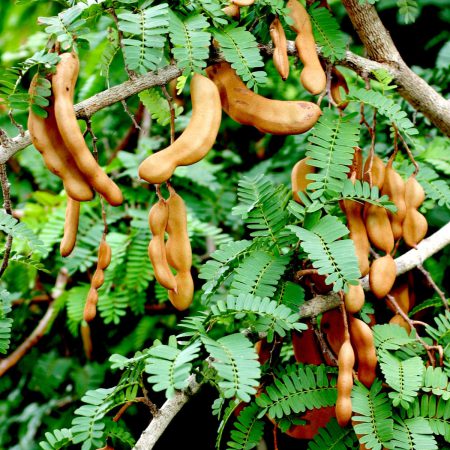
(98, 279)
(346, 361)
(85, 332)
(382, 274)
(298, 177)
(401, 295)
(377, 172)
(415, 227)
(63, 86)
(378, 228)
(178, 245)
(242, 3)
(104, 255)
(280, 57)
(332, 325)
(268, 116)
(313, 77)
(47, 140)
(232, 11)
(358, 234)
(263, 348)
(195, 141)
(356, 169)
(315, 419)
(414, 193)
(354, 298)
(90, 308)
(306, 347)
(158, 258)
(70, 227)
(338, 81)
(185, 291)
(320, 286)
(397, 319)
(362, 341)
(158, 217)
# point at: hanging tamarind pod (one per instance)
(332, 326)
(379, 228)
(382, 274)
(346, 361)
(377, 172)
(354, 298)
(415, 225)
(337, 82)
(70, 227)
(280, 56)
(298, 177)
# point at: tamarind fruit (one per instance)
(346, 361)
(70, 227)
(280, 57)
(378, 228)
(415, 226)
(401, 295)
(157, 219)
(298, 177)
(242, 3)
(397, 319)
(394, 188)
(313, 77)
(362, 341)
(232, 11)
(63, 87)
(103, 261)
(338, 81)
(332, 325)
(195, 141)
(182, 298)
(354, 298)
(268, 116)
(377, 172)
(382, 274)
(306, 347)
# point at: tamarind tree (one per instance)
(290, 218)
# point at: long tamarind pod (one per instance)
(269, 116)
(379, 228)
(196, 140)
(346, 361)
(313, 77)
(70, 227)
(63, 86)
(298, 177)
(338, 81)
(377, 172)
(280, 57)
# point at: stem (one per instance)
(8, 209)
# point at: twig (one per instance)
(172, 114)
(122, 410)
(434, 285)
(153, 408)
(7, 207)
(301, 273)
(327, 86)
(275, 436)
(411, 157)
(323, 345)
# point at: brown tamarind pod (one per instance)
(242, 3)
(232, 11)
(354, 298)
(269, 116)
(379, 228)
(195, 141)
(337, 82)
(70, 227)
(90, 308)
(104, 255)
(306, 347)
(415, 227)
(298, 177)
(85, 332)
(98, 278)
(362, 341)
(63, 87)
(414, 193)
(315, 419)
(182, 299)
(397, 319)
(280, 56)
(401, 296)
(377, 172)
(358, 234)
(383, 272)
(313, 77)
(346, 361)
(332, 325)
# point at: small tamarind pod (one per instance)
(280, 57)
(104, 255)
(63, 87)
(70, 227)
(415, 225)
(383, 272)
(346, 361)
(377, 172)
(362, 341)
(268, 116)
(298, 177)
(332, 325)
(397, 319)
(195, 141)
(313, 77)
(354, 298)
(90, 308)
(414, 193)
(182, 299)
(379, 228)
(232, 11)
(242, 3)
(338, 81)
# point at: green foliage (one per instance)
(56, 440)
(156, 103)
(388, 337)
(333, 436)
(414, 433)
(5, 321)
(435, 380)
(247, 429)
(408, 10)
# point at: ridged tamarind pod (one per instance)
(63, 86)
(280, 56)
(104, 255)
(98, 279)
(332, 325)
(313, 77)
(195, 141)
(298, 177)
(378, 228)
(377, 172)
(383, 272)
(47, 139)
(157, 219)
(337, 82)
(397, 319)
(70, 227)
(90, 308)
(354, 298)
(415, 225)
(182, 299)
(414, 193)
(269, 116)
(306, 347)
(362, 341)
(346, 361)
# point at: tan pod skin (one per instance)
(377, 172)
(242, 3)
(313, 77)
(401, 295)
(195, 141)
(337, 82)
(399, 320)
(362, 341)
(298, 177)
(280, 56)
(70, 227)
(379, 228)
(383, 272)
(354, 299)
(232, 11)
(346, 361)
(63, 86)
(415, 225)
(157, 219)
(268, 116)
(182, 299)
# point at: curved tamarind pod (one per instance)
(379, 228)
(280, 57)
(332, 325)
(383, 272)
(338, 81)
(98, 279)
(182, 299)
(269, 116)
(90, 308)
(354, 298)
(63, 86)
(70, 227)
(377, 172)
(298, 177)
(104, 255)
(397, 319)
(232, 11)
(195, 141)
(362, 341)
(415, 227)
(346, 361)
(313, 77)
(414, 193)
